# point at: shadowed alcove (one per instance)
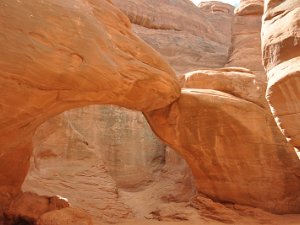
(106, 160)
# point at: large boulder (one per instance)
(28, 207)
(231, 142)
(281, 57)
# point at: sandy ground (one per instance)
(277, 220)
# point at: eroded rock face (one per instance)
(187, 36)
(246, 44)
(231, 144)
(107, 161)
(250, 7)
(27, 208)
(280, 44)
(67, 216)
(57, 55)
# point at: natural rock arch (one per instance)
(66, 56)
(71, 55)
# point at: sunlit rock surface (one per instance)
(280, 45)
(231, 142)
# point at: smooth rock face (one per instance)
(231, 144)
(187, 36)
(281, 55)
(57, 55)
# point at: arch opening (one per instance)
(106, 160)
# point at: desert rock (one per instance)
(280, 43)
(187, 36)
(57, 56)
(67, 216)
(232, 146)
(28, 207)
(245, 50)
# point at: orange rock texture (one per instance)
(107, 161)
(57, 55)
(230, 141)
(245, 50)
(280, 43)
(187, 36)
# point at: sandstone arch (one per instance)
(57, 55)
(74, 53)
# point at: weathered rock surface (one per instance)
(246, 44)
(232, 146)
(107, 161)
(280, 44)
(56, 55)
(67, 216)
(121, 138)
(187, 36)
(28, 207)
(250, 7)
(239, 82)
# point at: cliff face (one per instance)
(246, 45)
(187, 36)
(97, 156)
(280, 44)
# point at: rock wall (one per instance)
(102, 158)
(280, 45)
(246, 45)
(187, 36)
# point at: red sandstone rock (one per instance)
(250, 7)
(56, 55)
(67, 216)
(187, 36)
(280, 45)
(245, 50)
(232, 146)
(29, 207)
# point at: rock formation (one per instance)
(187, 36)
(56, 56)
(280, 44)
(245, 50)
(231, 142)
(67, 216)
(101, 157)
(27, 208)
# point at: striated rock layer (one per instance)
(281, 52)
(187, 36)
(107, 161)
(245, 50)
(230, 141)
(57, 55)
